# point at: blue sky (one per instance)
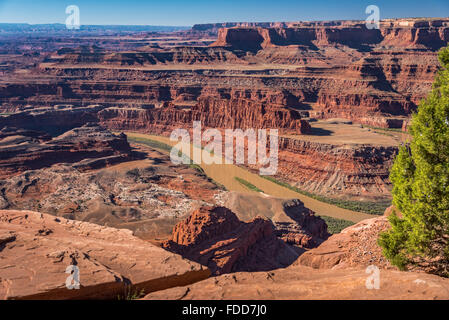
(186, 13)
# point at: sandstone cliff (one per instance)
(430, 34)
(330, 169)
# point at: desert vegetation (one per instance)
(247, 184)
(419, 237)
(359, 206)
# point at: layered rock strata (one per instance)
(332, 68)
(323, 168)
(90, 146)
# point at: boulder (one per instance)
(355, 246)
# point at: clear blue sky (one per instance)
(185, 13)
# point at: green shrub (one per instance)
(359, 206)
(247, 184)
(420, 177)
(335, 225)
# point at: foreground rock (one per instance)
(36, 249)
(215, 237)
(300, 282)
(337, 269)
(355, 246)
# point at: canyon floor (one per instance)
(225, 175)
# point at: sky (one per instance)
(187, 13)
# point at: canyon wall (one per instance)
(255, 75)
(357, 35)
(321, 168)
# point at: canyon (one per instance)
(247, 75)
(86, 176)
(90, 174)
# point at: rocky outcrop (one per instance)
(308, 230)
(355, 246)
(36, 249)
(10, 135)
(229, 114)
(293, 222)
(245, 113)
(215, 237)
(232, 109)
(146, 56)
(371, 89)
(90, 146)
(259, 38)
(342, 267)
(54, 120)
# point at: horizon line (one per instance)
(220, 22)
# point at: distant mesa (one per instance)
(432, 34)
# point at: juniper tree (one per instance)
(419, 236)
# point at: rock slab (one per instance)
(36, 249)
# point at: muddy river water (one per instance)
(225, 174)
